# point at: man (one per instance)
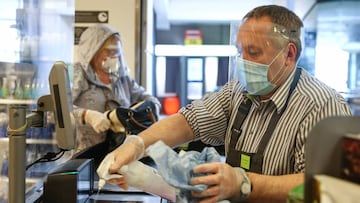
(263, 119)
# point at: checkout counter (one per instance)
(324, 160)
(74, 178)
(76, 181)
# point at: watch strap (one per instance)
(245, 188)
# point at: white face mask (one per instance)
(111, 64)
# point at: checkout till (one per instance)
(75, 181)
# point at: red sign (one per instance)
(193, 37)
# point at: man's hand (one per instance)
(132, 149)
(223, 181)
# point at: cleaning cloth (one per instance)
(176, 169)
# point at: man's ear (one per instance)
(291, 55)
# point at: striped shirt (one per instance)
(211, 120)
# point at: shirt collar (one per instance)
(279, 97)
(282, 93)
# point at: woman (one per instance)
(101, 83)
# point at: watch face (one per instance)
(246, 188)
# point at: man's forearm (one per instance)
(273, 188)
(173, 130)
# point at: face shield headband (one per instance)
(260, 44)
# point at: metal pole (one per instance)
(17, 147)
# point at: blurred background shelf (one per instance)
(17, 101)
(32, 141)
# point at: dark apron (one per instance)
(254, 161)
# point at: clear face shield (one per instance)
(114, 62)
(262, 50)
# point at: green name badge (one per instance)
(245, 161)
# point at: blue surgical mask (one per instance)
(254, 76)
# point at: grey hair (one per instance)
(284, 17)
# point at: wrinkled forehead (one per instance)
(260, 33)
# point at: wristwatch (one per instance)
(245, 188)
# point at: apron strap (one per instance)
(243, 111)
(276, 117)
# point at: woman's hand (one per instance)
(97, 120)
